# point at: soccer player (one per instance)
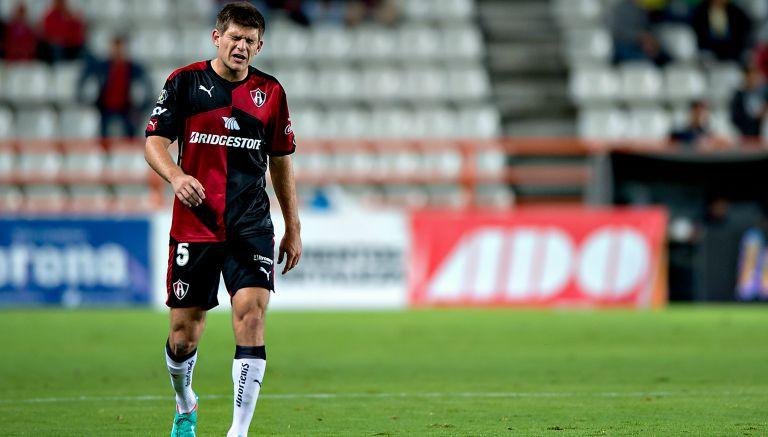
(231, 122)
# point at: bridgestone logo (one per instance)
(224, 140)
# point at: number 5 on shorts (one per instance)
(182, 254)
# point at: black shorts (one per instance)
(194, 269)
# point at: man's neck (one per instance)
(226, 73)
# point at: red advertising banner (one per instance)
(539, 257)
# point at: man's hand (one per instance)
(290, 249)
(188, 190)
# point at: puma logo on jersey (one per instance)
(230, 123)
(265, 272)
(206, 90)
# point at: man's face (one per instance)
(237, 46)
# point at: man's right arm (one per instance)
(188, 189)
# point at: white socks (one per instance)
(247, 374)
(180, 369)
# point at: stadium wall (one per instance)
(379, 259)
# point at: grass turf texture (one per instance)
(682, 371)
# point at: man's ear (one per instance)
(215, 36)
(258, 48)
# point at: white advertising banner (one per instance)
(350, 260)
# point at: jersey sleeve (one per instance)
(165, 118)
(282, 139)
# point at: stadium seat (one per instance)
(460, 42)
(153, 44)
(679, 40)
(99, 39)
(455, 10)
(329, 43)
(381, 84)
(132, 198)
(683, 83)
(415, 11)
(7, 129)
(195, 44)
(413, 196)
(299, 82)
(83, 161)
(434, 122)
(336, 84)
(478, 122)
(494, 195)
(347, 123)
(723, 80)
(65, 76)
(602, 124)
(593, 84)
(418, 42)
(79, 122)
(11, 198)
(470, 82)
(111, 12)
(491, 162)
(391, 123)
(443, 163)
(373, 43)
(199, 11)
(572, 13)
(8, 162)
(39, 162)
(588, 46)
(756, 9)
(89, 198)
(424, 83)
(288, 42)
(648, 123)
(27, 83)
(151, 12)
(640, 82)
(40, 123)
(720, 123)
(126, 163)
(307, 123)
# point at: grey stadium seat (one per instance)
(373, 43)
(79, 122)
(418, 42)
(684, 83)
(602, 124)
(572, 13)
(39, 123)
(7, 129)
(640, 82)
(27, 83)
(593, 84)
(680, 41)
(649, 123)
(723, 80)
(65, 77)
(588, 46)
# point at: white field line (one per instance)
(151, 398)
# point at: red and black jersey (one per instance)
(226, 131)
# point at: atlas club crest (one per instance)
(259, 97)
(180, 289)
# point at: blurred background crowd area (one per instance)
(395, 102)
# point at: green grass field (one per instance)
(681, 371)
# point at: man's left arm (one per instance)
(281, 171)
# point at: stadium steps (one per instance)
(528, 75)
(530, 87)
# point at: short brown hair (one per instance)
(241, 13)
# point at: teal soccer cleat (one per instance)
(185, 425)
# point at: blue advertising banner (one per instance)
(74, 262)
